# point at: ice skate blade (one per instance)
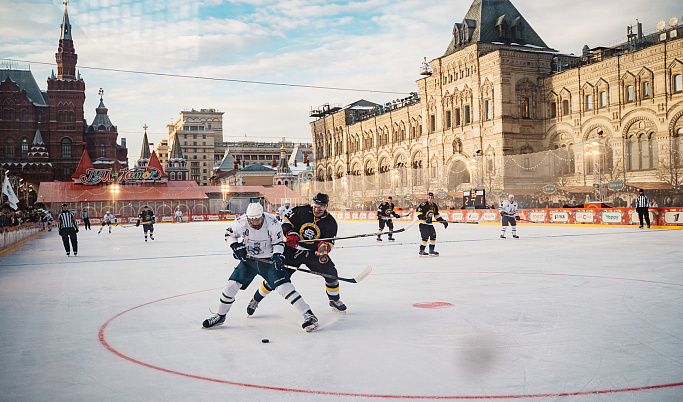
(342, 312)
(312, 327)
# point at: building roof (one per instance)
(176, 151)
(483, 20)
(72, 192)
(228, 163)
(275, 194)
(66, 26)
(257, 168)
(83, 165)
(101, 117)
(24, 80)
(144, 152)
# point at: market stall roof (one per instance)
(72, 192)
(650, 185)
(276, 194)
(577, 189)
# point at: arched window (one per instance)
(66, 148)
(9, 148)
(24, 148)
(642, 152)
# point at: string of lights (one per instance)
(199, 77)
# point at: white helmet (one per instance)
(286, 202)
(107, 212)
(254, 210)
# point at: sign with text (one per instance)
(98, 176)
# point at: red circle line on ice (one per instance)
(432, 305)
(104, 343)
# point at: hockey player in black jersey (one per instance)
(428, 212)
(385, 212)
(147, 218)
(308, 222)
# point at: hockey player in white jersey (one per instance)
(106, 220)
(261, 237)
(509, 215)
(283, 210)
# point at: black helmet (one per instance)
(321, 199)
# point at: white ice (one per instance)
(561, 314)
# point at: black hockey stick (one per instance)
(361, 235)
(355, 279)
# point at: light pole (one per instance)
(225, 189)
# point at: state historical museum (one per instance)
(44, 133)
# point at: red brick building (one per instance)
(44, 133)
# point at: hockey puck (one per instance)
(265, 340)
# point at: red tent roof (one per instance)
(72, 192)
(83, 165)
(154, 162)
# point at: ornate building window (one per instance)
(488, 109)
(432, 123)
(103, 152)
(457, 117)
(565, 108)
(24, 148)
(603, 99)
(552, 112)
(677, 81)
(647, 90)
(66, 148)
(448, 119)
(589, 102)
(466, 113)
(525, 108)
(642, 150)
(9, 148)
(24, 115)
(629, 93)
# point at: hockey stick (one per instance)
(361, 235)
(364, 274)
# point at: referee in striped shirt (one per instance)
(642, 204)
(68, 227)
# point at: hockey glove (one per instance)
(323, 249)
(428, 219)
(396, 215)
(239, 251)
(292, 239)
(278, 262)
(137, 223)
(442, 220)
(517, 217)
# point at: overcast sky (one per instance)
(372, 45)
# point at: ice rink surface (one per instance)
(561, 314)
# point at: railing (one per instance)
(12, 235)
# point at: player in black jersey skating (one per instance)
(385, 212)
(428, 212)
(308, 222)
(147, 218)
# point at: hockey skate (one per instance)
(215, 320)
(338, 306)
(379, 238)
(515, 236)
(433, 253)
(391, 239)
(151, 237)
(310, 321)
(423, 253)
(251, 308)
(502, 236)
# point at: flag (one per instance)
(7, 190)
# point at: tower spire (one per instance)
(66, 54)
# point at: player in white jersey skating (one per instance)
(509, 215)
(106, 220)
(283, 210)
(258, 235)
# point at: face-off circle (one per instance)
(433, 305)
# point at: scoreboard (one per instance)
(474, 199)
